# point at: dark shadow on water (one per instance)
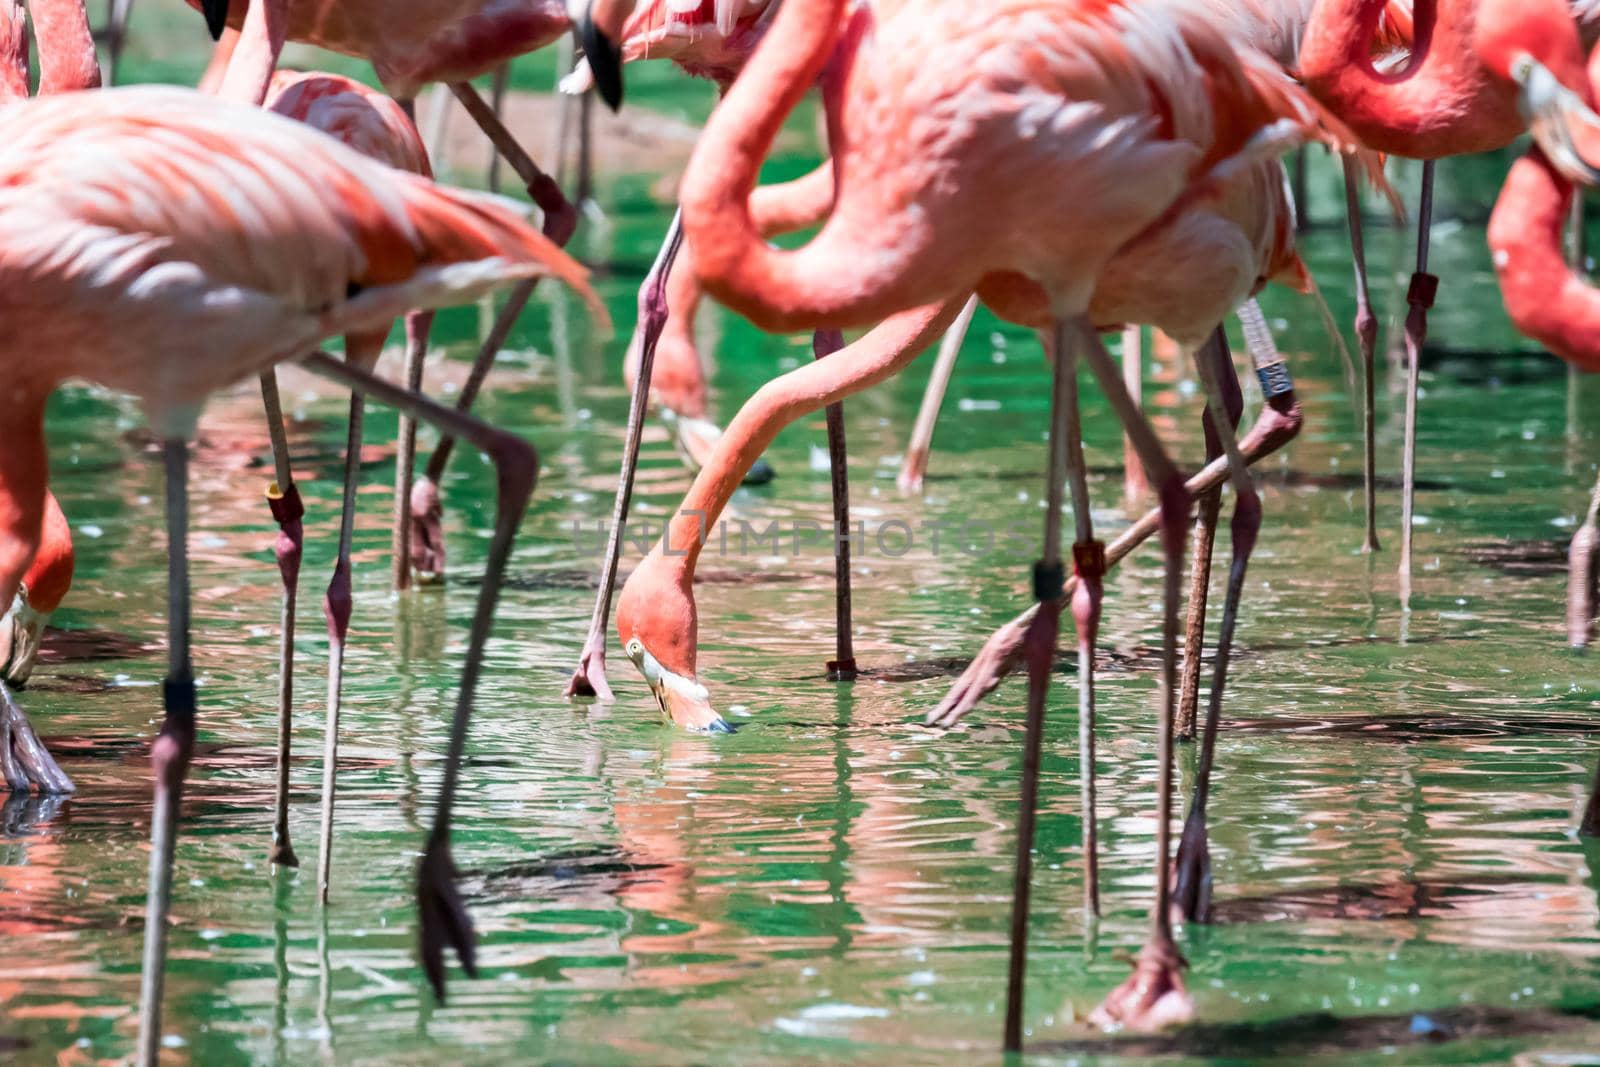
(1410, 729)
(1485, 366)
(1537, 558)
(86, 646)
(1405, 898)
(605, 870)
(1131, 658)
(1293, 478)
(590, 579)
(1319, 1033)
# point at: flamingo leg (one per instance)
(426, 537)
(24, 760)
(418, 325)
(497, 101)
(1215, 366)
(1039, 650)
(169, 755)
(585, 186)
(589, 679)
(915, 465)
(1089, 568)
(1001, 653)
(842, 668)
(1209, 506)
(1590, 826)
(1420, 296)
(560, 219)
(443, 917)
(1154, 995)
(1584, 553)
(1582, 557)
(1367, 338)
(1133, 483)
(117, 14)
(283, 498)
(336, 607)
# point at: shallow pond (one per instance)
(1392, 831)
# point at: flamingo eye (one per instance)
(635, 647)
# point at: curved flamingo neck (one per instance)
(22, 490)
(1545, 298)
(657, 603)
(67, 60)
(1442, 102)
(255, 54)
(50, 575)
(823, 283)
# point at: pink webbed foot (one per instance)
(588, 681)
(1191, 885)
(442, 916)
(999, 656)
(1153, 997)
(427, 532)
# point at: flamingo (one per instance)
(24, 760)
(712, 39)
(374, 125)
(99, 270)
(1480, 73)
(66, 63)
(411, 43)
(1544, 294)
(924, 125)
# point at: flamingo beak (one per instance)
(216, 12)
(604, 56)
(1563, 126)
(682, 700)
(21, 631)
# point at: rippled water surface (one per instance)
(1392, 831)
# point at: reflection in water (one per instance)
(832, 881)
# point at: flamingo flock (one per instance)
(1073, 165)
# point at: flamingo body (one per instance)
(411, 43)
(166, 244)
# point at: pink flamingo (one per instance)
(24, 760)
(374, 125)
(923, 124)
(410, 43)
(99, 272)
(1545, 295)
(66, 63)
(712, 39)
(1480, 73)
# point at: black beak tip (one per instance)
(605, 62)
(216, 12)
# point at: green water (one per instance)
(1391, 830)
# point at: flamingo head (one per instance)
(658, 626)
(43, 588)
(1534, 45)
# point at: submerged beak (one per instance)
(604, 56)
(216, 12)
(21, 631)
(1563, 126)
(682, 700)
